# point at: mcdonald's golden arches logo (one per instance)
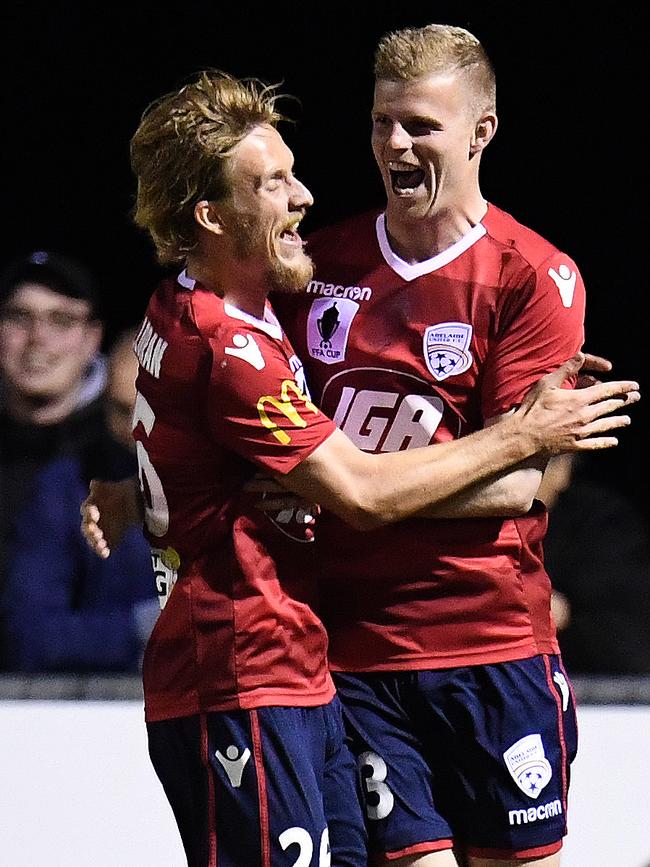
(285, 405)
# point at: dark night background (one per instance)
(568, 160)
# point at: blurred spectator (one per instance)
(51, 375)
(597, 553)
(66, 609)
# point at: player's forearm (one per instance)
(370, 490)
(452, 476)
(509, 494)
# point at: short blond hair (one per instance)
(180, 148)
(438, 48)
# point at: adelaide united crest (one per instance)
(446, 349)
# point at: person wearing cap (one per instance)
(52, 375)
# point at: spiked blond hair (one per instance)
(438, 48)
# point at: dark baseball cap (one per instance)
(61, 274)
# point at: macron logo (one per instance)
(336, 290)
(535, 814)
(565, 280)
(233, 764)
(560, 679)
(247, 349)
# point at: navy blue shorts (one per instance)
(262, 788)
(475, 757)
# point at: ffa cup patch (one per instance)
(328, 327)
(528, 765)
(446, 349)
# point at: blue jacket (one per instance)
(66, 609)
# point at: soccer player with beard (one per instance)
(426, 322)
(245, 732)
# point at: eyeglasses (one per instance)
(56, 321)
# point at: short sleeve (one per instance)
(540, 325)
(255, 406)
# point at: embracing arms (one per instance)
(368, 490)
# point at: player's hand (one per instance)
(575, 420)
(592, 364)
(560, 610)
(275, 499)
(107, 513)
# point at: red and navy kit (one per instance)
(218, 399)
(441, 639)
(268, 787)
(401, 356)
(475, 756)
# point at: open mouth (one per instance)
(405, 179)
(289, 235)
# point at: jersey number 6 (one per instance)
(156, 511)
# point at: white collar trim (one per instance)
(269, 325)
(410, 272)
(185, 281)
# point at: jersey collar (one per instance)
(185, 281)
(269, 325)
(410, 272)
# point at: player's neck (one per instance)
(251, 303)
(416, 239)
(247, 292)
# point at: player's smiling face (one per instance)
(421, 136)
(264, 208)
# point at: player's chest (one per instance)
(438, 328)
(398, 364)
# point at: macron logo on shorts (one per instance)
(535, 814)
(233, 764)
(560, 680)
(528, 765)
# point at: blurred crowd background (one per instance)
(75, 276)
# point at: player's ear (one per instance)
(483, 132)
(207, 216)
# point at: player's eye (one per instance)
(276, 180)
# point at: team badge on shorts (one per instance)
(446, 349)
(528, 765)
(328, 327)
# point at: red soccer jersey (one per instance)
(218, 400)
(401, 356)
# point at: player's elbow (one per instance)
(518, 500)
(514, 496)
(520, 508)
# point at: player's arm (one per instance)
(368, 490)
(511, 492)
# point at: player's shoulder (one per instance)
(519, 240)
(187, 311)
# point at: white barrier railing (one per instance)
(78, 790)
